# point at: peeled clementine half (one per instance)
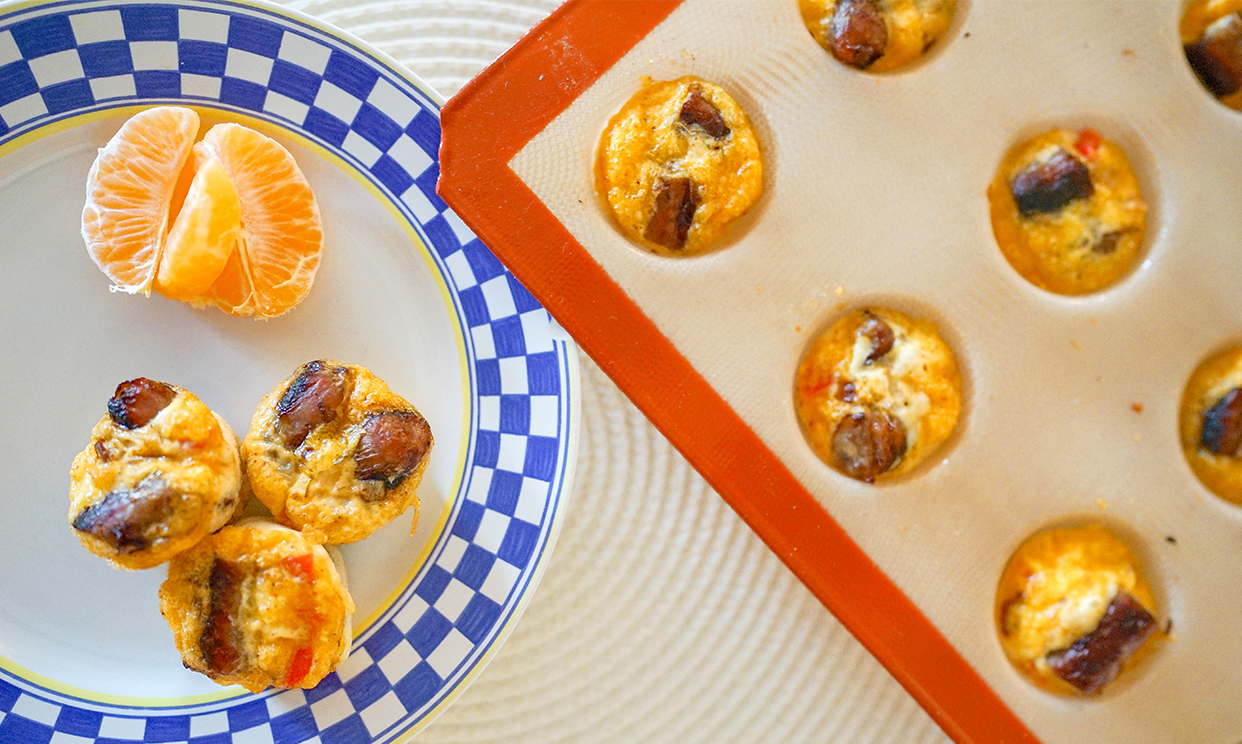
(236, 226)
(129, 194)
(281, 238)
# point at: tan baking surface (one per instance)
(661, 617)
(876, 196)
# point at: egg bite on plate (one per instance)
(334, 453)
(1073, 610)
(259, 605)
(162, 472)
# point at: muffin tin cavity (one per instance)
(1211, 35)
(877, 35)
(1067, 211)
(877, 393)
(1210, 423)
(677, 165)
(1074, 610)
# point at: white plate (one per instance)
(404, 289)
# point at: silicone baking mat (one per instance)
(876, 196)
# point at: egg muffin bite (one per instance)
(1211, 424)
(162, 472)
(259, 605)
(1073, 610)
(1067, 211)
(336, 454)
(677, 165)
(877, 35)
(878, 393)
(1211, 32)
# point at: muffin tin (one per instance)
(876, 196)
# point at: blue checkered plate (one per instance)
(404, 289)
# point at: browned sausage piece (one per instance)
(1222, 425)
(1048, 185)
(136, 402)
(1107, 243)
(1095, 659)
(698, 111)
(1217, 57)
(880, 335)
(868, 443)
(858, 33)
(316, 397)
(676, 200)
(221, 641)
(124, 518)
(391, 446)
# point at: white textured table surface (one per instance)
(661, 617)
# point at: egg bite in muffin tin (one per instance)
(1211, 33)
(1210, 423)
(877, 393)
(877, 35)
(677, 165)
(259, 605)
(1073, 610)
(334, 453)
(1067, 211)
(162, 472)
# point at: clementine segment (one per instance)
(281, 237)
(202, 237)
(129, 191)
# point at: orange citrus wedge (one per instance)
(281, 239)
(202, 237)
(129, 194)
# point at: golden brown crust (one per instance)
(186, 447)
(1090, 242)
(1207, 386)
(916, 381)
(290, 625)
(313, 484)
(913, 27)
(1055, 590)
(648, 146)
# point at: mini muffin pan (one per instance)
(876, 196)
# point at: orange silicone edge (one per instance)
(488, 122)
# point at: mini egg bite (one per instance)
(1067, 211)
(259, 605)
(678, 165)
(1211, 33)
(1210, 423)
(162, 472)
(334, 453)
(877, 393)
(877, 35)
(1073, 610)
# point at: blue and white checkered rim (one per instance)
(60, 60)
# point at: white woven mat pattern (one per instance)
(661, 617)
